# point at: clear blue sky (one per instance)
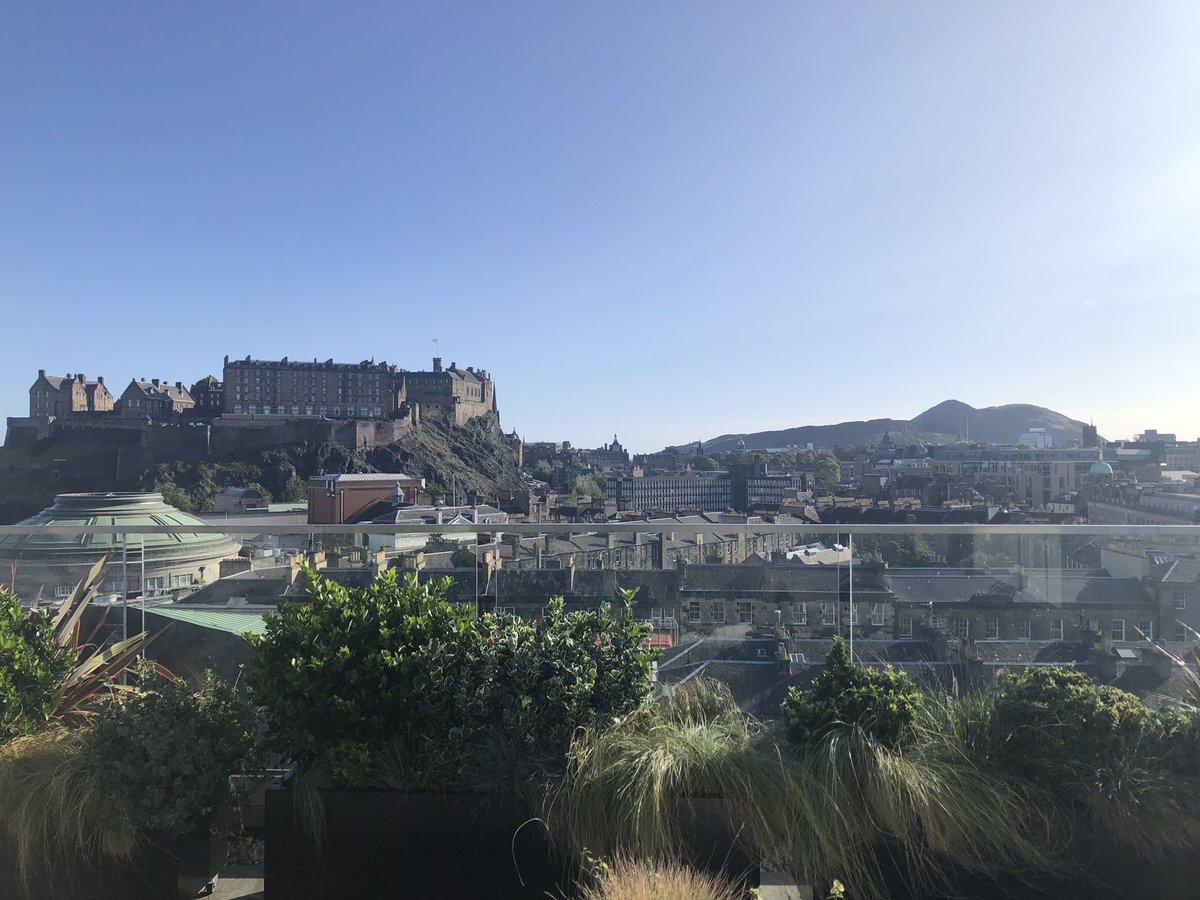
(669, 219)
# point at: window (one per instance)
(178, 581)
(1118, 629)
(906, 626)
(694, 612)
(745, 612)
(1180, 601)
(719, 612)
(1056, 629)
(799, 613)
(1023, 629)
(1180, 631)
(253, 408)
(991, 628)
(876, 613)
(153, 584)
(1146, 627)
(63, 590)
(828, 615)
(961, 628)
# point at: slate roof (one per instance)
(355, 477)
(1041, 587)
(172, 392)
(1182, 571)
(1029, 652)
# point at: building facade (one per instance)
(286, 388)
(335, 499)
(155, 399)
(709, 491)
(451, 394)
(209, 396)
(60, 395)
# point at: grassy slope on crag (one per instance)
(474, 457)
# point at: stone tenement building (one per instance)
(365, 390)
(59, 395)
(258, 387)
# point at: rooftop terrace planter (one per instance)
(392, 844)
(160, 869)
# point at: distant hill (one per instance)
(948, 421)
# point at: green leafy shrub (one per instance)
(567, 671)
(32, 666)
(1175, 732)
(167, 752)
(396, 684)
(1052, 722)
(882, 702)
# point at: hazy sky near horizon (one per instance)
(668, 220)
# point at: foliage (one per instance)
(629, 880)
(394, 678)
(32, 666)
(566, 671)
(882, 702)
(828, 468)
(48, 670)
(1053, 724)
(910, 552)
(158, 764)
(176, 496)
(54, 806)
(704, 464)
(587, 486)
(258, 486)
(542, 470)
(167, 752)
(820, 812)
(294, 490)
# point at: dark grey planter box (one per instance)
(389, 845)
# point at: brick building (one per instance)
(335, 499)
(58, 395)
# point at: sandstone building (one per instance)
(258, 387)
(454, 395)
(58, 395)
(155, 399)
